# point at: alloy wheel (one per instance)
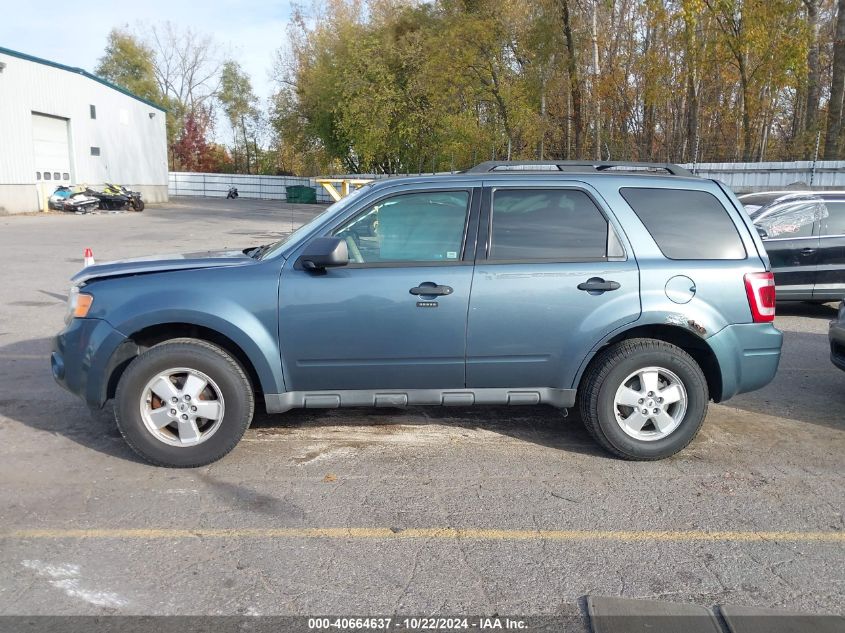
(650, 403)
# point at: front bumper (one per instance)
(84, 356)
(748, 355)
(837, 343)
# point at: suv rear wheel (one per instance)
(183, 403)
(643, 399)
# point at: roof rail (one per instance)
(575, 166)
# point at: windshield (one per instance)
(308, 226)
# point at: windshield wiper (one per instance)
(258, 251)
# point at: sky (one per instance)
(73, 32)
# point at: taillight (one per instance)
(760, 288)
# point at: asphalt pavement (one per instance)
(427, 511)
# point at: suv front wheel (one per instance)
(643, 399)
(183, 403)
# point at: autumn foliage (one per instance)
(395, 86)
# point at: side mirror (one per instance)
(324, 252)
(762, 233)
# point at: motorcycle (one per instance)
(117, 197)
(233, 193)
(73, 199)
(119, 192)
(109, 201)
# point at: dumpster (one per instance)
(301, 193)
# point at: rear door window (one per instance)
(834, 223)
(686, 224)
(552, 224)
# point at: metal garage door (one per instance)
(51, 148)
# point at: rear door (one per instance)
(792, 246)
(830, 278)
(551, 278)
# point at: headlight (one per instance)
(78, 304)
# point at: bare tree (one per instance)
(187, 64)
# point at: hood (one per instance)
(162, 263)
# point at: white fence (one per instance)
(747, 177)
(217, 185)
(184, 183)
(741, 177)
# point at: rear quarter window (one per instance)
(686, 224)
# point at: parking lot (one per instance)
(415, 511)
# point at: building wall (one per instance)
(133, 144)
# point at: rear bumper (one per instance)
(84, 356)
(748, 356)
(837, 344)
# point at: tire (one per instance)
(228, 397)
(622, 364)
(138, 206)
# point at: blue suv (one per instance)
(636, 292)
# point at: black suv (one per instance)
(804, 235)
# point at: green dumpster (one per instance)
(301, 193)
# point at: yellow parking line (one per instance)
(427, 533)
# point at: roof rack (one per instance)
(576, 166)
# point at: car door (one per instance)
(792, 246)
(395, 316)
(830, 278)
(551, 279)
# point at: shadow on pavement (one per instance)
(807, 389)
(825, 311)
(25, 370)
(29, 395)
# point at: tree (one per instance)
(746, 27)
(574, 78)
(240, 105)
(691, 37)
(811, 107)
(130, 64)
(186, 64)
(192, 151)
(832, 149)
(399, 85)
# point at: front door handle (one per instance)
(806, 252)
(597, 285)
(430, 289)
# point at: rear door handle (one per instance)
(598, 285)
(807, 251)
(431, 289)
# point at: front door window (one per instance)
(418, 227)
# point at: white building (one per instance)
(61, 125)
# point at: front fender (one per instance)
(241, 303)
(233, 322)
